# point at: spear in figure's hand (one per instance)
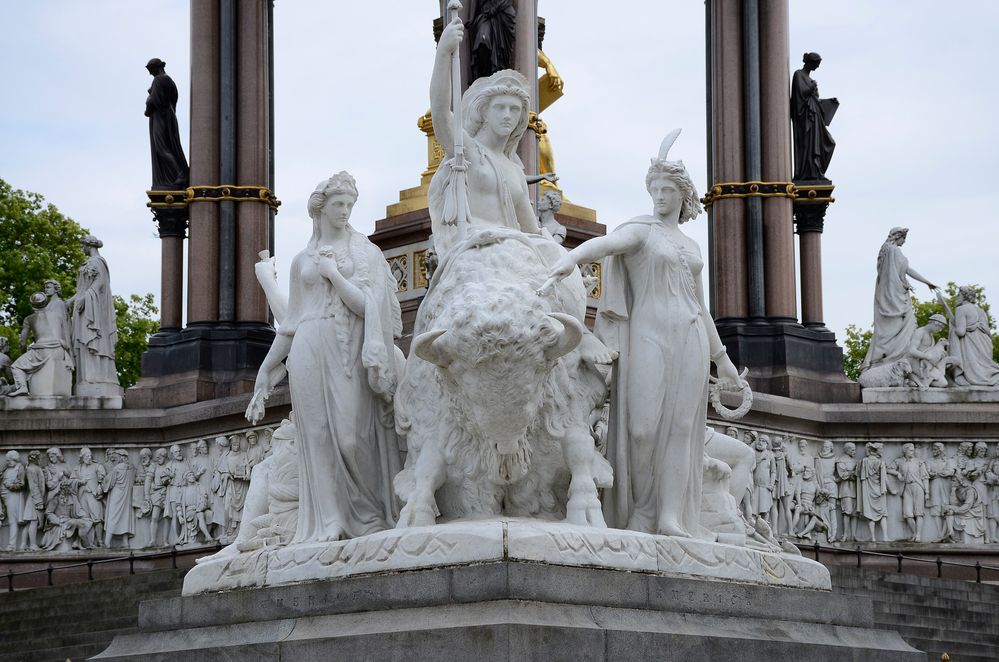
(456, 201)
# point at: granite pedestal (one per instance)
(511, 610)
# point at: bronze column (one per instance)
(775, 113)
(727, 217)
(203, 259)
(252, 155)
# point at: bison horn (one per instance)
(572, 333)
(427, 348)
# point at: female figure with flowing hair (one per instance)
(337, 336)
(894, 318)
(652, 312)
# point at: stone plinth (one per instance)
(51, 402)
(459, 543)
(509, 610)
(931, 395)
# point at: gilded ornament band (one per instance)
(724, 190)
(225, 192)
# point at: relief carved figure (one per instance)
(118, 486)
(992, 481)
(846, 481)
(34, 503)
(89, 477)
(764, 478)
(914, 477)
(158, 481)
(872, 479)
(66, 526)
(12, 482)
(941, 470)
(825, 476)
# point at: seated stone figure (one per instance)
(928, 357)
(270, 513)
(6, 376)
(45, 368)
(65, 525)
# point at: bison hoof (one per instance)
(585, 513)
(416, 516)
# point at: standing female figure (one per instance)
(652, 312)
(342, 365)
(894, 318)
(95, 331)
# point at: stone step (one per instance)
(25, 635)
(57, 654)
(986, 620)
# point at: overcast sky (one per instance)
(916, 134)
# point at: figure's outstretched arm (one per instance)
(623, 240)
(440, 85)
(912, 273)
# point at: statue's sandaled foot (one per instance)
(594, 351)
(18, 391)
(673, 528)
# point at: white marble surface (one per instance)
(950, 395)
(513, 539)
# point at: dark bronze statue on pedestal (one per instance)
(810, 115)
(491, 31)
(170, 170)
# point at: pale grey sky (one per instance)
(916, 140)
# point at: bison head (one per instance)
(496, 360)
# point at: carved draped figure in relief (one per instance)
(783, 492)
(12, 481)
(764, 478)
(846, 481)
(798, 459)
(941, 470)
(992, 509)
(825, 475)
(872, 478)
(158, 480)
(34, 502)
(89, 476)
(117, 486)
(914, 479)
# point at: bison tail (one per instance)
(603, 474)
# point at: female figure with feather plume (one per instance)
(652, 312)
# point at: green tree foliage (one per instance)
(858, 340)
(38, 243)
(137, 320)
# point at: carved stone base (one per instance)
(515, 611)
(932, 395)
(458, 543)
(51, 402)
